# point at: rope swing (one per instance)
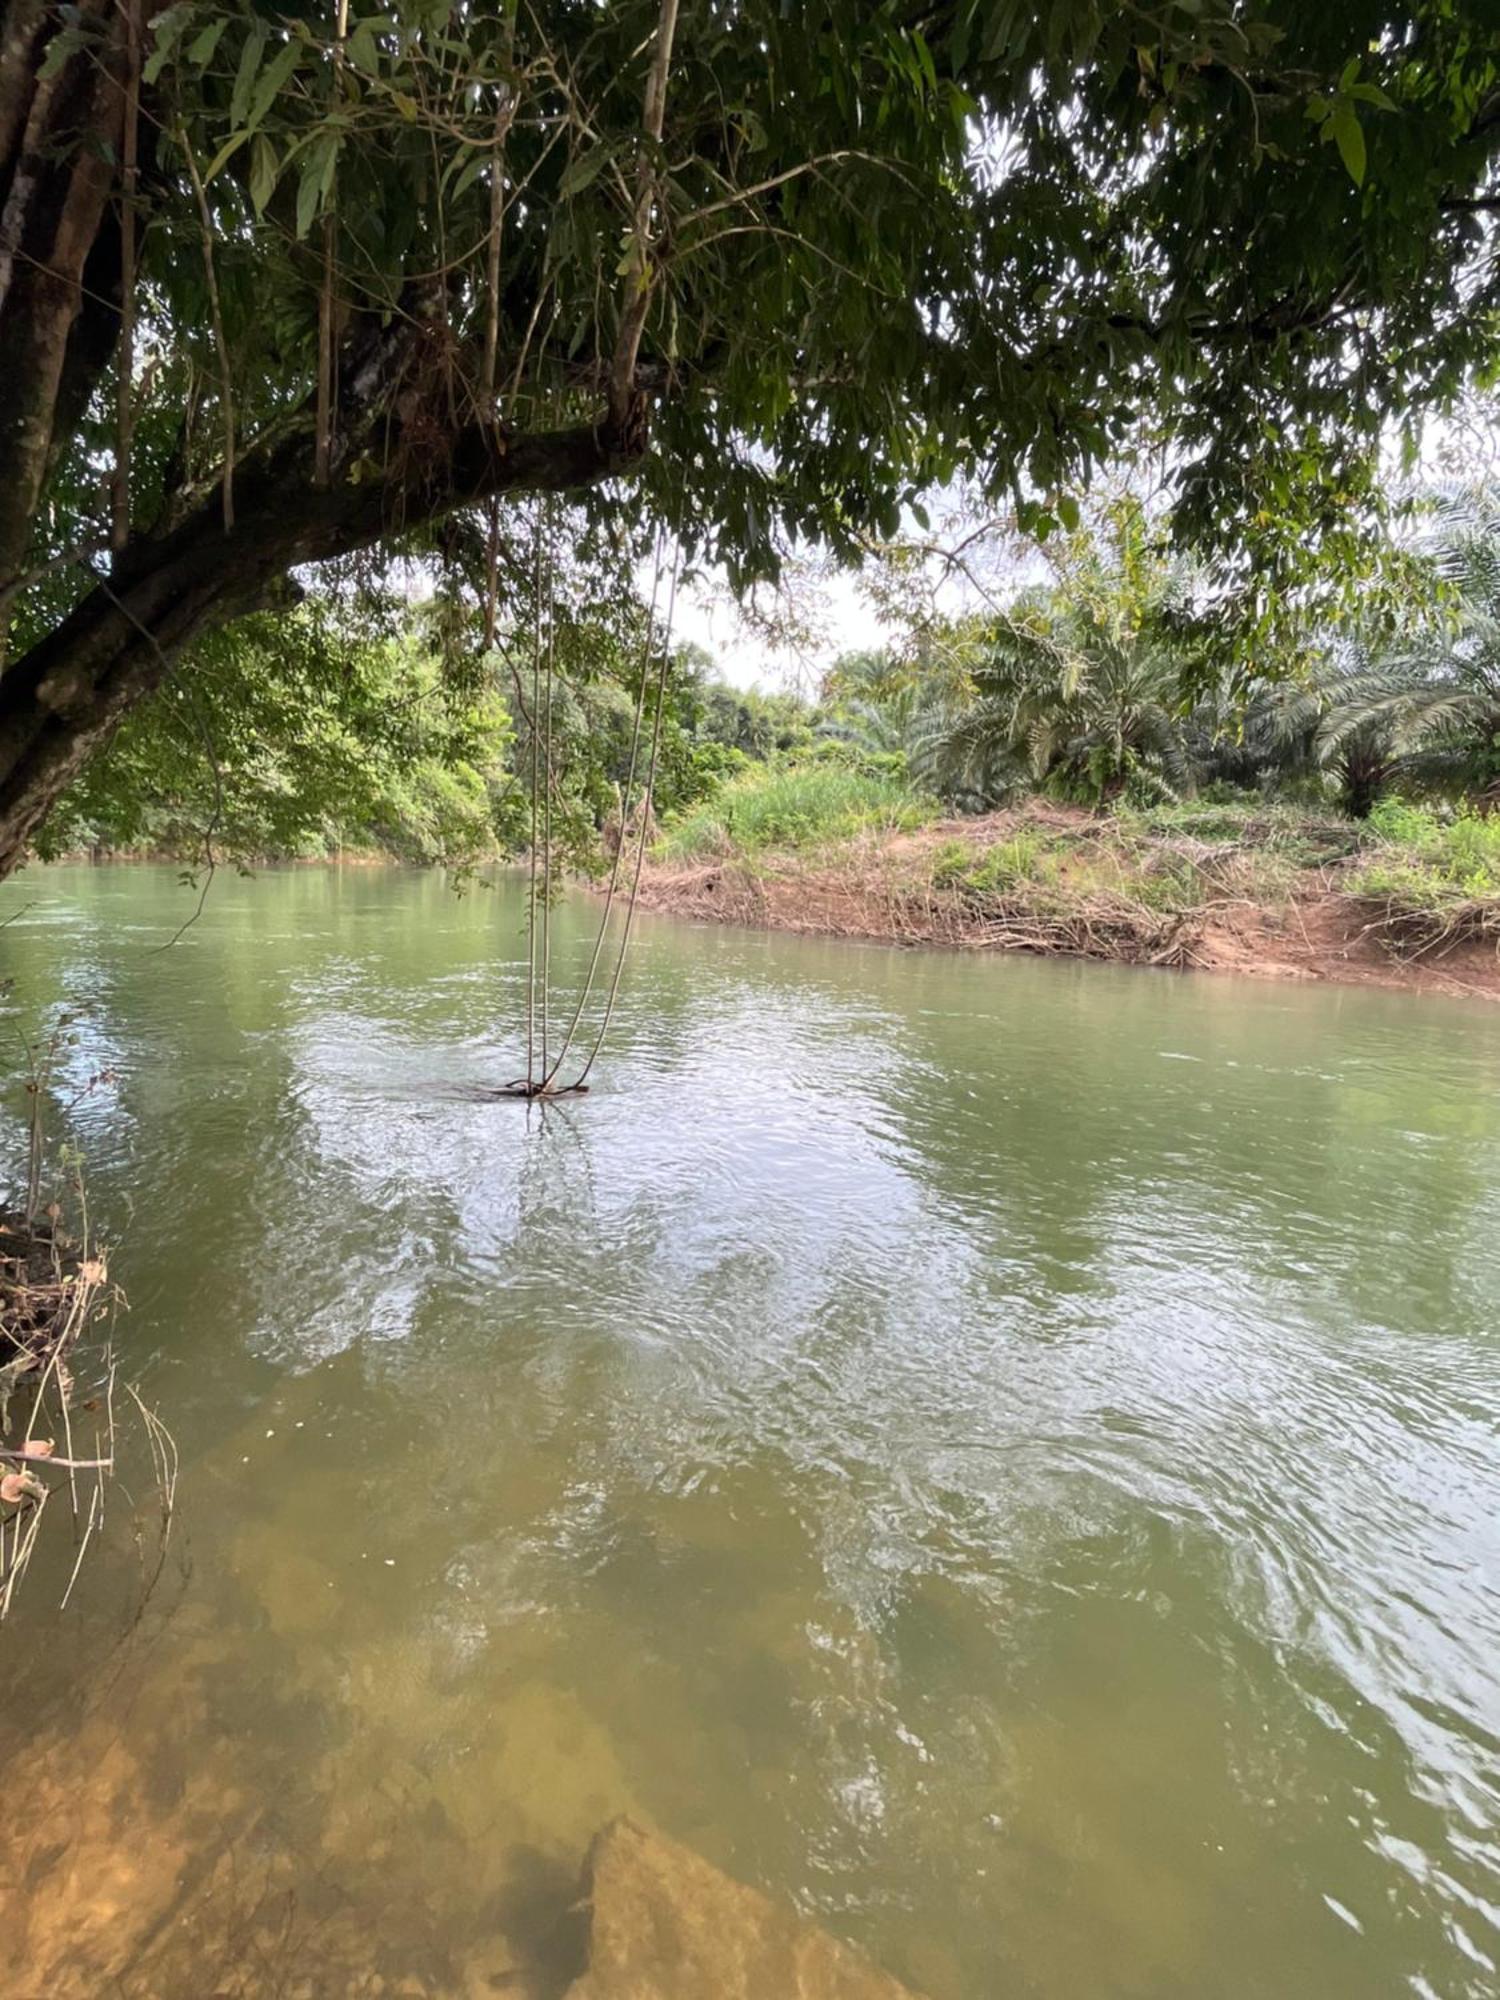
(542, 1076)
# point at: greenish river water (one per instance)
(1003, 1455)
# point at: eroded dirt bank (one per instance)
(1181, 904)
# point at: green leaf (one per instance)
(167, 31)
(583, 170)
(200, 49)
(1348, 136)
(263, 171)
(924, 58)
(66, 42)
(244, 76)
(308, 190)
(225, 153)
(963, 30)
(315, 179)
(471, 173)
(362, 49)
(1002, 26)
(272, 82)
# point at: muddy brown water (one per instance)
(1003, 1456)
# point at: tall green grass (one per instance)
(794, 806)
(1422, 861)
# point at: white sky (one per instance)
(823, 610)
(748, 659)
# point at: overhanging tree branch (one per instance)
(61, 700)
(639, 280)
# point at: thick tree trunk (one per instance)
(61, 701)
(59, 139)
(20, 28)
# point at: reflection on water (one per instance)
(1002, 1455)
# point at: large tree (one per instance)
(277, 286)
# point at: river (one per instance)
(1003, 1455)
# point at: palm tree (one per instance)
(1076, 698)
(1420, 708)
(1427, 706)
(883, 703)
(1302, 730)
(1080, 686)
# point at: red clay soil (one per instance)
(876, 890)
(1331, 937)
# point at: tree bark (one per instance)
(61, 701)
(20, 38)
(64, 133)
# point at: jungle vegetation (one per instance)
(1105, 682)
(335, 724)
(297, 307)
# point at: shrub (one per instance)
(1424, 862)
(1401, 823)
(1009, 862)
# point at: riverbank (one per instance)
(1276, 895)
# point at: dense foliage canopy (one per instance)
(278, 286)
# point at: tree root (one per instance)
(1410, 931)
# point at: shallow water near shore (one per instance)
(1004, 1456)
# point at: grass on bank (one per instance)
(1436, 879)
(796, 808)
(1414, 856)
(1172, 860)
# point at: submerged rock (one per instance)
(667, 1925)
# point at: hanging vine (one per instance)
(542, 1077)
(642, 835)
(323, 415)
(551, 661)
(586, 991)
(528, 1088)
(216, 317)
